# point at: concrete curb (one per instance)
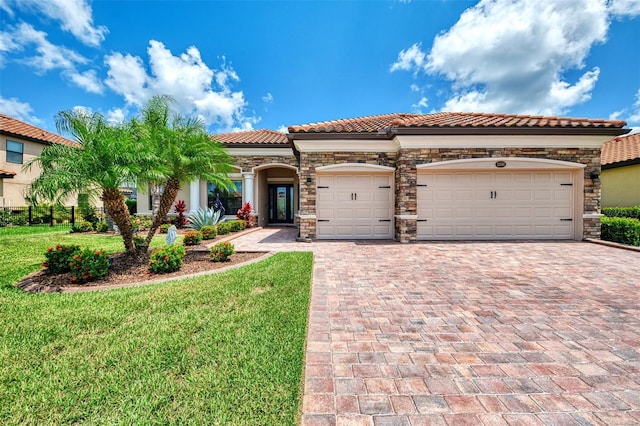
(612, 244)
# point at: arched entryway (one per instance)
(275, 194)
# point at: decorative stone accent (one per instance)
(249, 162)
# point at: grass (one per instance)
(221, 349)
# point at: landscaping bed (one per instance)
(125, 272)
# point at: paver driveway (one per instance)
(518, 333)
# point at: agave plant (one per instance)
(204, 217)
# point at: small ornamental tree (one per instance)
(245, 214)
(180, 208)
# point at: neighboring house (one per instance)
(621, 171)
(19, 143)
(409, 177)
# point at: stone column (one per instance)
(194, 195)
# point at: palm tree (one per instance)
(183, 151)
(108, 157)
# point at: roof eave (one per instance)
(37, 140)
(617, 164)
(593, 131)
(256, 145)
(336, 135)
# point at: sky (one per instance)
(242, 65)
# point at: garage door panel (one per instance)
(352, 206)
(502, 204)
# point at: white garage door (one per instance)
(495, 205)
(354, 206)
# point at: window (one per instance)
(231, 199)
(14, 152)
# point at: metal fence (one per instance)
(48, 215)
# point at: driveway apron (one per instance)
(478, 333)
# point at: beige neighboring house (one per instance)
(411, 177)
(19, 143)
(621, 171)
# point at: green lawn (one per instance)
(222, 349)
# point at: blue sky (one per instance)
(267, 64)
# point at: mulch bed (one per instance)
(125, 271)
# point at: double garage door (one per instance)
(474, 205)
(451, 205)
(354, 206)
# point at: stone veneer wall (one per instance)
(406, 178)
(248, 162)
(308, 164)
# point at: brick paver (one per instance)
(487, 333)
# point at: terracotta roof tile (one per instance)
(381, 123)
(17, 128)
(621, 148)
(260, 137)
(6, 175)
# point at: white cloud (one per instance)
(282, 129)
(631, 114)
(422, 103)
(513, 55)
(88, 81)
(411, 59)
(197, 89)
(624, 7)
(75, 16)
(17, 109)
(268, 98)
(49, 55)
(116, 115)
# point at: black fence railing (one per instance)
(48, 215)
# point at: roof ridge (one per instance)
(19, 128)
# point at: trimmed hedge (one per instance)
(621, 230)
(632, 212)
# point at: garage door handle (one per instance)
(566, 220)
(321, 187)
(385, 187)
(323, 220)
(384, 220)
(421, 220)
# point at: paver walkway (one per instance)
(493, 333)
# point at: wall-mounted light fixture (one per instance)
(595, 175)
(309, 180)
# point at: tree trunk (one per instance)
(116, 208)
(171, 189)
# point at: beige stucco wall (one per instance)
(14, 189)
(621, 186)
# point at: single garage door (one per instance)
(354, 206)
(495, 205)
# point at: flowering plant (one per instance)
(192, 238)
(166, 258)
(221, 251)
(57, 258)
(88, 265)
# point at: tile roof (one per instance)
(621, 148)
(17, 128)
(253, 137)
(382, 123)
(6, 175)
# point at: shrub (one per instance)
(236, 225)
(245, 214)
(203, 217)
(89, 265)
(102, 226)
(192, 238)
(138, 241)
(223, 228)
(621, 230)
(19, 219)
(166, 258)
(180, 208)
(632, 212)
(5, 217)
(221, 251)
(141, 223)
(164, 228)
(84, 226)
(208, 232)
(132, 205)
(57, 258)
(88, 213)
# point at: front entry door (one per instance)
(281, 203)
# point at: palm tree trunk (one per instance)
(116, 208)
(171, 189)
